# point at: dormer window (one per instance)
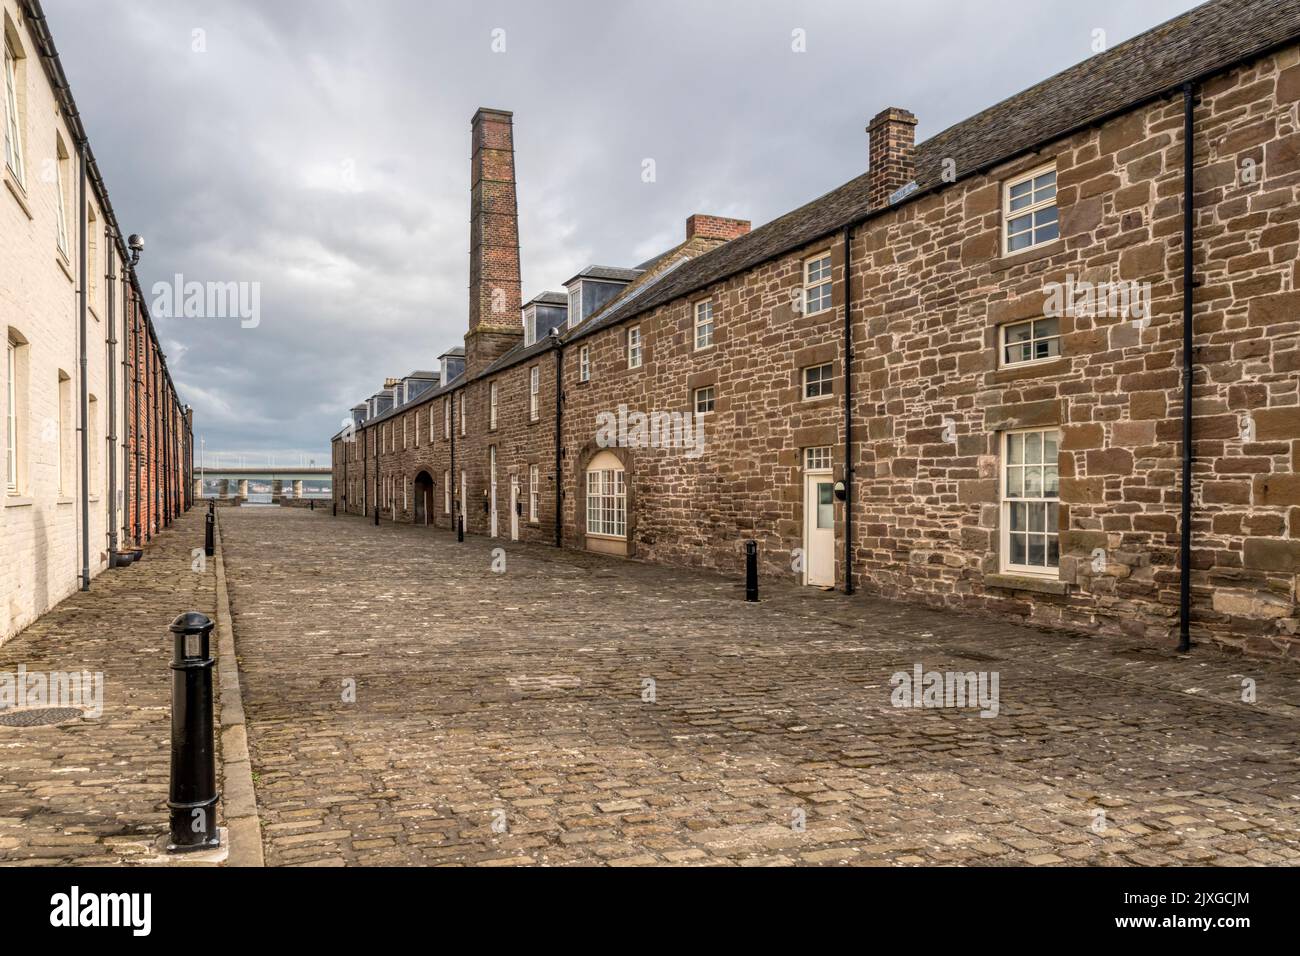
(575, 305)
(530, 325)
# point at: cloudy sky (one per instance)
(320, 148)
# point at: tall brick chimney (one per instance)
(494, 285)
(892, 154)
(715, 227)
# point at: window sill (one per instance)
(65, 501)
(607, 537)
(1013, 259)
(18, 501)
(65, 266)
(17, 191)
(1024, 582)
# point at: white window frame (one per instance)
(446, 417)
(817, 459)
(492, 406)
(534, 491)
(818, 286)
(575, 305)
(65, 468)
(60, 157)
(607, 503)
(530, 325)
(1004, 362)
(699, 393)
(584, 364)
(828, 382)
(1051, 503)
(703, 325)
(13, 115)
(634, 347)
(446, 492)
(534, 391)
(461, 410)
(11, 416)
(1030, 210)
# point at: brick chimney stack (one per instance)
(715, 227)
(494, 284)
(892, 154)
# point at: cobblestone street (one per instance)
(499, 718)
(93, 791)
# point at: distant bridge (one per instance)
(266, 484)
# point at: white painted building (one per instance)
(66, 502)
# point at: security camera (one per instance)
(135, 242)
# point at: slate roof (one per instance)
(548, 298)
(606, 273)
(1201, 42)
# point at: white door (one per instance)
(514, 507)
(492, 487)
(819, 529)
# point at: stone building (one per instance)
(97, 443)
(957, 379)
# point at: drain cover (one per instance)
(38, 717)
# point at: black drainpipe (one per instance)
(110, 249)
(136, 359)
(559, 438)
(848, 412)
(1185, 545)
(83, 248)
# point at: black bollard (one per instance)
(376, 516)
(209, 533)
(460, 528)
(751, 570)
(336, 509)
(193, 797)
(312, 505)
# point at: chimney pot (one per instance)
(892, 154)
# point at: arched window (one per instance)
(606, 497)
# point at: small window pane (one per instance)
(1033, 448)
(1017, 542)
(825, 505)
(1037, 516)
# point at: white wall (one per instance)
(40, 527)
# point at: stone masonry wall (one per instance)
(930, 288)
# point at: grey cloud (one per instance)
(233, 162)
